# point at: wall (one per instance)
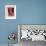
(28, 12)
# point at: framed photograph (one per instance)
(10, 11)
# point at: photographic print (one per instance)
(10, 11)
